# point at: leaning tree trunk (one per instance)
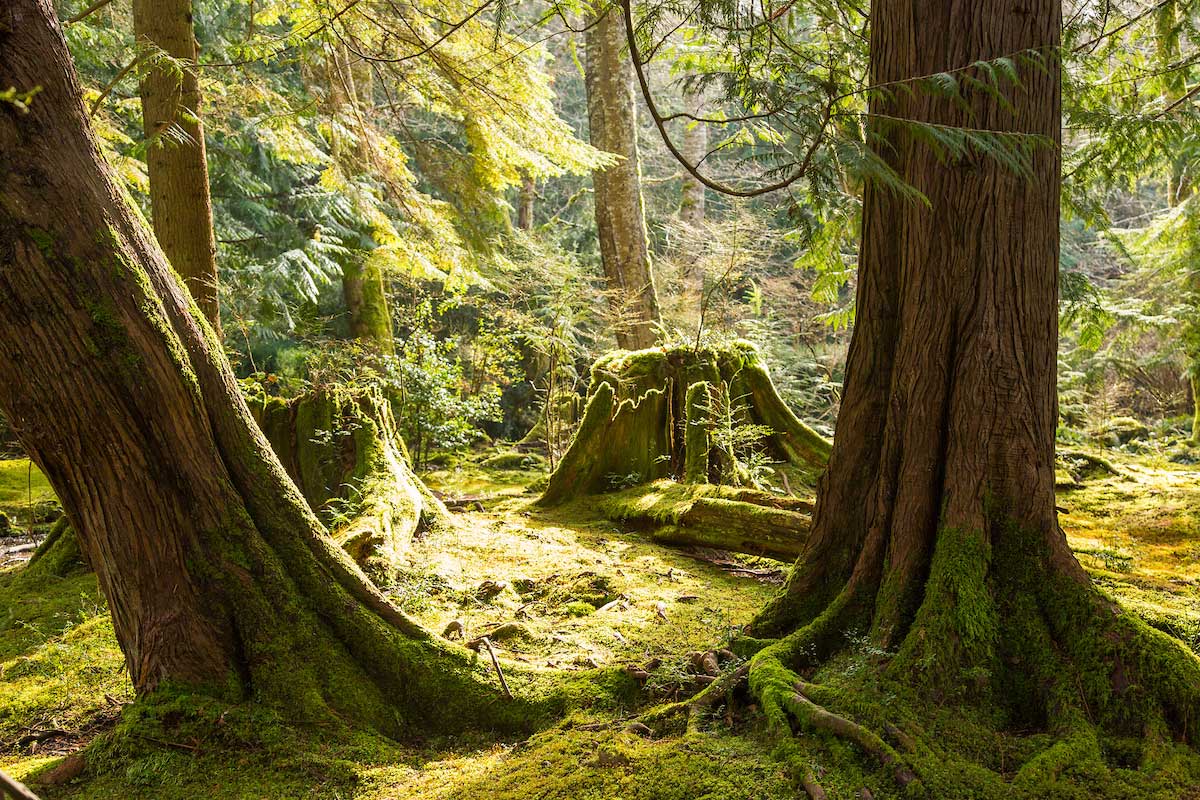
(620, 211)
(935, 530)
(217, 574)
(180, 204)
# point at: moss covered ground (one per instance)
(22, 487)
(581, 591)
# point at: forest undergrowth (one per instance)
(568, 589)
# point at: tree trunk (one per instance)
(367, 304)
(694, 148)
(525, 203)
(935, 527)
(1168, 30)
(180, 204)
(620, 211)
(363, 287)
(217, 574)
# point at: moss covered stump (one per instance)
(341, 448)
(679, 412)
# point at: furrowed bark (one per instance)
(218, 576)
(935, 527)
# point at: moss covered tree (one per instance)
(620, 209)
(176, 160)
(934, 532)
(217, 574)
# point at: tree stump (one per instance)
(341, 448)
(673, 412)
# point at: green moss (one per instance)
(639, 422)
(514, 461)
(42, 240)
(697, 439)
(23, 485)
(952, 642)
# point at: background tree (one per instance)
(176, 159)
(620, 212)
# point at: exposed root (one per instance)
(818, 717)
(784, 697)
(809, 782)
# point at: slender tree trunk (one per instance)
(363, 286)
(620, 211)
(525, 203)
(694, 148)
(691, 201)
(180, 204)
(217, 574)
(367, 304)
(935, 526)
(1168, 30)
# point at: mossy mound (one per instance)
(514, 460)
(341, 448)
(685, 413)
(1121, 430)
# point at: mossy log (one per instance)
(646, 409)
(341, 448)
(721, 517)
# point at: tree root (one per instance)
(818, 717)
(784, 697)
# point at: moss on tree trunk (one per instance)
(646, 408)
(934, 533)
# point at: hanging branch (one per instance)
(107, 90)
(660, 122)
(87, 12)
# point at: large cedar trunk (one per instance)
(180, 205)
(620, 212)
(217, 573)
(935, 527)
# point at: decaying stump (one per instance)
(668, 412)
(341, 448)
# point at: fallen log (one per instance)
(719, 517)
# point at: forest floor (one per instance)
(583, 592)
